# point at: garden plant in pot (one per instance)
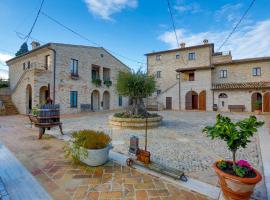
(90, 147)
(237, 178)
(258, 107)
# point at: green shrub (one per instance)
(97, 82)
(83, 140)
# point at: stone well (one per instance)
(136, 123)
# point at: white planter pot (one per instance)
(97, 157)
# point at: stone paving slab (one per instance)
(177, 143)
(17, 181)
(63, 180)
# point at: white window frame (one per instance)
(158, 57)
(158, 75)
(192, 56)
(223, 73)
(256, 71)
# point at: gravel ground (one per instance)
(177, 143)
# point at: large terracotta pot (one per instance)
(234, 187)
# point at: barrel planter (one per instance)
(135, 123)
(97, 157)
(234, 187)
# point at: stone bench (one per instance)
(236, 108)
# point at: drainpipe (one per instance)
(54, 71)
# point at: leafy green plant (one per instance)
(35, 111)
(236, 135)
(83, 140)
(258, 104)
(222, 164)
(136, 86)
(108, 83)
(97, 82)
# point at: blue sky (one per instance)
(135, 27)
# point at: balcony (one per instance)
(39, 66)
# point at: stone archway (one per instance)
(43, 95)
(222, 102)
(106, 100)
(28, 98)
(266, 102)
(95, 100)
(191, 100)
(255, 99)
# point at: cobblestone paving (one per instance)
(178, 142)
(45, 159)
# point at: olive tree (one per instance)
(136, 86)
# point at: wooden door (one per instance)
(188, 101)
(194, 101)
(202, 100)
(168, 103)
(266, 102)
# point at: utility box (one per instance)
(134, 145)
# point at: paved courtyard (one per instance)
(178, 142)
(45, 160)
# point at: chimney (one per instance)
(35, 44)
(205, 41)
(183, 45)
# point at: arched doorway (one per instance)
(106, 100)
(202, 100)
(191, 100)
(43, 95)
(266, 102)
(222, 101)
(28, 98)
(256, 101)
(95, 100)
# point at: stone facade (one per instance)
(198, 78)
(50, 66)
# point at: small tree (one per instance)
(23, 49)
(136, 85)
(236, 135)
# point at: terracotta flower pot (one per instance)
(234, 187)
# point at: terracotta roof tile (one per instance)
(246, 85)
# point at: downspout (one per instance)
(179, 91)
(54, 71)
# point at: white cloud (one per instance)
(250, 41)
(193, 8)
(230, 12)
(3, 68)
(106, 8)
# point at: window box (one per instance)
(74, 76)
(108, 83)
(97, 82)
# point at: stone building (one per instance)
(76, 77)
(198, 78)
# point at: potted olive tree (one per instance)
(237, 178)
(90, 147)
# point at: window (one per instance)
(101, 55)
(24, 66)
(47, 61)
(256, 71)
(73, 99)
(120, 101)
(158, 57)
(177, 56)
(223, 74)
(222, 95)
(191, 76)
(191, 56)
(158, 92)
(74, 67)
(28, 64)
(158, 74)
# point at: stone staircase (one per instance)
(10, 109)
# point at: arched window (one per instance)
(222, 95)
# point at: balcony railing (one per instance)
(222, 53)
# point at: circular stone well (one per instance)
(136, 123)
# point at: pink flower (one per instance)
(243, 163)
